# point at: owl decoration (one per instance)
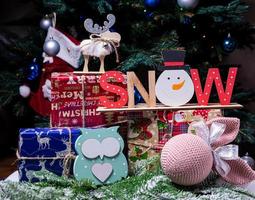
(100, 157)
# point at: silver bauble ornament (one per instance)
(249, 160)
(45, 23)
(187, 4)
(51, 47)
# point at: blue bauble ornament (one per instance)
(33, 70)
(151, 3)
(138, 97)
(229, 44)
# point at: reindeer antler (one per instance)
(88, 24)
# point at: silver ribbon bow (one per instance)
(220, 154)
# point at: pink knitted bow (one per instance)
(218, 133)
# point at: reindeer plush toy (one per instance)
(102, 42)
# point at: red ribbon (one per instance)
(173, 64)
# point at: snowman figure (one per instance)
(174, 86)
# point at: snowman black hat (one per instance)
(173, 59)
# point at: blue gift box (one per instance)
(44, 149)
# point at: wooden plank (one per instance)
(145, 107)
(133, 81)
(152, 91)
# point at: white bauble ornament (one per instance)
(46, 22)
(187, 4)
(24, 91)
(51, 47)
(249, 160)
(174, 88)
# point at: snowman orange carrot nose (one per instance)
(178, 86)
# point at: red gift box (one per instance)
(175, 123)
(75, 98)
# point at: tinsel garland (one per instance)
(147, 183)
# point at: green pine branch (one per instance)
(151, 184)
(233, 12)
(101, 6)
(150, 58)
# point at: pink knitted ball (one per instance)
(186, 159)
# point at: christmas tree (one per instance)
(207, 30)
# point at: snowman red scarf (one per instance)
(64, 61)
